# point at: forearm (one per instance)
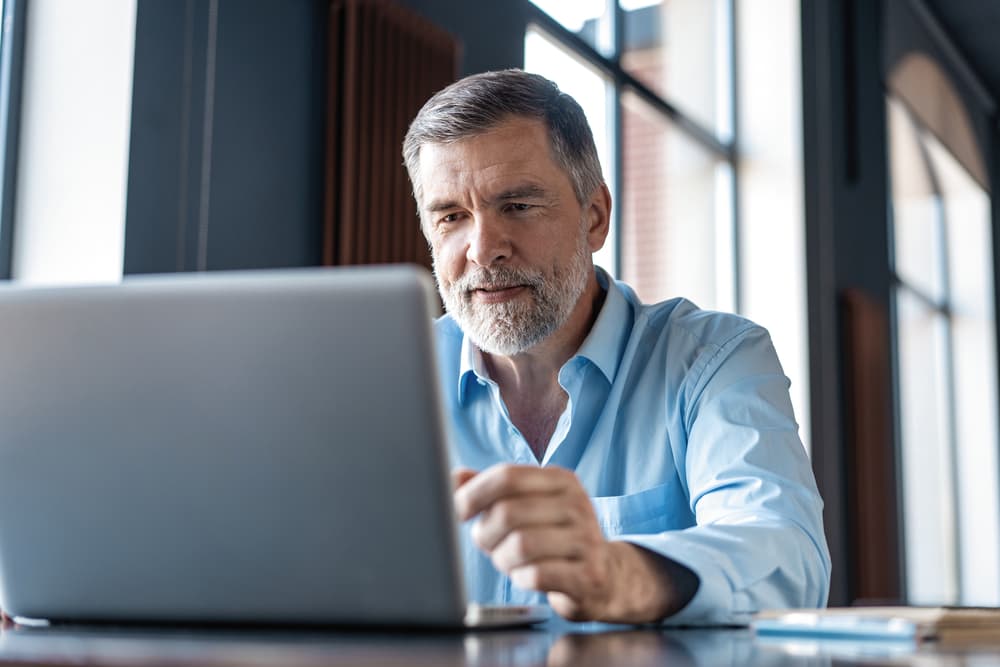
(647, 586)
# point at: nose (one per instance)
(489, 241)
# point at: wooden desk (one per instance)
(554, 644)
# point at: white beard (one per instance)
(512, 327)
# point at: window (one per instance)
(74, 140)
(699, 135)
(588, 86)
(946, 365)
(663, 126)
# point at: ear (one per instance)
(598, 216)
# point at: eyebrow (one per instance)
(527, 191)
(440, 205)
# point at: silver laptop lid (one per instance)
(258, 446)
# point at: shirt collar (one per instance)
(605, 343)
(470, 366)
(603, 346)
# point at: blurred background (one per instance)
(824, 167)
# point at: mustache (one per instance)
(496, 278)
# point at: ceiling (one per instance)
(974, 27)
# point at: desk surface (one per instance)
(551, 645)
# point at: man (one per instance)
(629, 462)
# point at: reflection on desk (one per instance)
(554, 644)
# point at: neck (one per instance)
(529, 381)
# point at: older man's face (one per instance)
(512, 245)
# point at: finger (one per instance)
(551, 575)
(529, 545)
(573, 609)
(569, 586)
(460, 476)
(510, 514)
(505, 480)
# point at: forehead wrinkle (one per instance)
(483, 186)
(522, 191)
(462, 173)
(441, 204)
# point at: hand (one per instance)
(538, 526)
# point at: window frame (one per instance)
(12, 30)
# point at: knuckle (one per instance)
(565, 475)
(520, 545)
(585, 515)
(478, 533)
(506, 474)
(531, 577)
(501, 514)
(583, 502)
(500, 562)
(584, 523)
(595, 576)
(592, 536)
(461, 502)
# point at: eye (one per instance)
(449, 218)
(518, 207)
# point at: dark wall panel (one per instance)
(156, 197)
(225, 166)
(267, 167)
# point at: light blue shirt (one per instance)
(680, 427)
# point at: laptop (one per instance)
(241, 448)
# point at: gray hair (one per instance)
(480, 102)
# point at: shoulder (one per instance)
(691, 345)
(685, 327)
(704, 354)
(682, 320)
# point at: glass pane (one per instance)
(675, 218)
(928, 494)
(681, 50)
(967, 220)
(543, 55)
(916, 212)
(590, 19)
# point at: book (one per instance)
(943, 624)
